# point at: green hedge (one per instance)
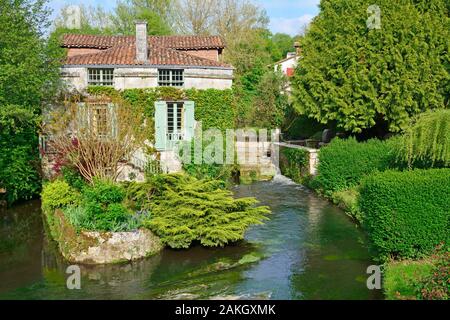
(215, 108)
(406, 213)
(343, 163)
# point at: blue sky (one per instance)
(287, 16)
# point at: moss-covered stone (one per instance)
(100, 247)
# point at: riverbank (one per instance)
(308, 250)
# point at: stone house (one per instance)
(141, 61)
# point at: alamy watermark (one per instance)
(374, 280)
(374, 20)
(74, 279)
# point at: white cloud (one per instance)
(291, 26)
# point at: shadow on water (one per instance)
(308, 250)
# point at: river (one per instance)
(308, 250)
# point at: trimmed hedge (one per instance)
(215, 108)
(407, 213)
(343, 163)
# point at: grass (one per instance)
(402, 278)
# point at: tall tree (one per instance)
(29, 74)
(29, 69)
(155, 12)
(368, 75)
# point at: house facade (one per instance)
(288, 65)
(141, 61)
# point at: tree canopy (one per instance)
(362, 77)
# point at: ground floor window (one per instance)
(175, 115)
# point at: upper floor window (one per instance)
(170, 78)
(101, 77)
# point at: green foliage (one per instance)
(406, 213)
(127, 12)
(300, 127)
(401, 279)
(436, 285)
(187, 210)
(294, 164)
(343, 163)
(73, 178)
(427, 142)
(59, 195)
(360, 76)
(215, 108)
(282, 44)
(140, 195)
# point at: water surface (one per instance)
(308, 250)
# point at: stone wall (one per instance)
(140, 78)
(100, 247)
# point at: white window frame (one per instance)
(103, 79)
(171, 78)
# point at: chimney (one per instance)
(141, 42)
(297, 47)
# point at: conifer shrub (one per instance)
(406, 214)
(103, 203)
(214, 108)
(186, 210)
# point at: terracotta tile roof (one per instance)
(163, 50)
(126, 55)
(172, 42)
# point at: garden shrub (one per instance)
(401, 279)
(343, 163)
(59, 194)
(103, 204)
(427, 143)
(73, 178)
(19, 155)
(406, 213)
(294, 164)
(188, 210)
(436, 285)
(348, 201)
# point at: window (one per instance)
(101, 77)
(100, 120)
(170, 78)
(175, 121)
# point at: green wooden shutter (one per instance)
(83, 118)
(189, 120)
(160, 125)
(113, 119)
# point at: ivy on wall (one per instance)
(215, 108)
(294, 164)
